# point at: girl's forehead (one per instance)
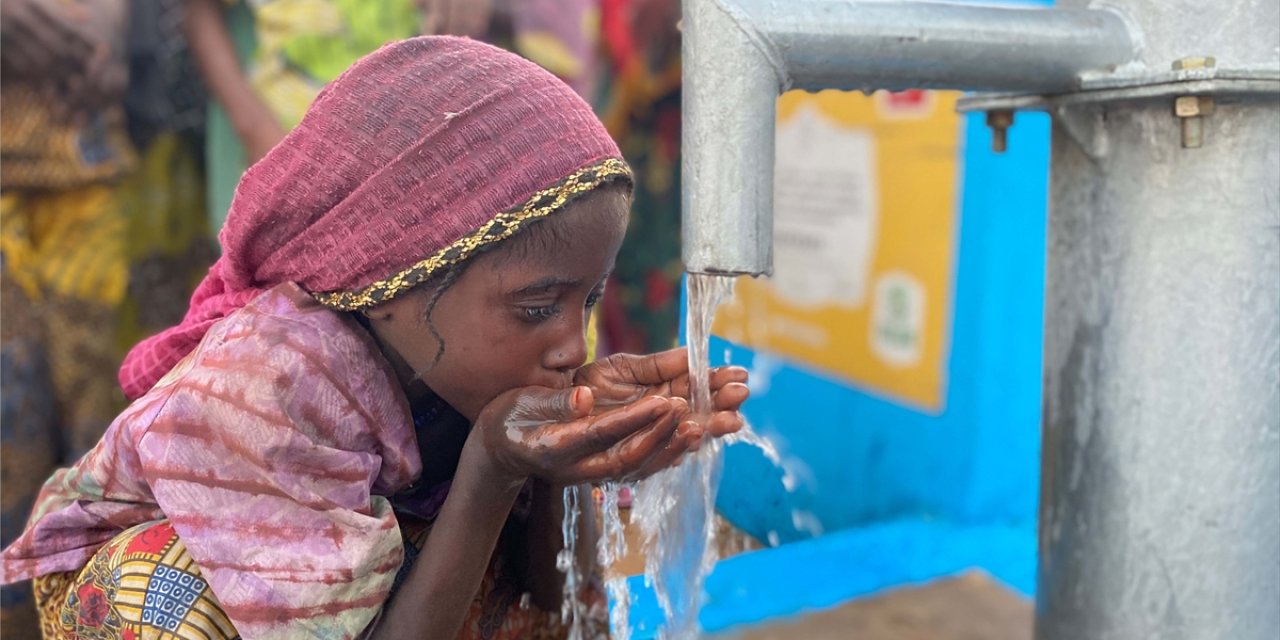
(577, 249)
(597, 220)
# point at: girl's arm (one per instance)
(545, 539)
(436, 595)
(215, 55)
(524, 433)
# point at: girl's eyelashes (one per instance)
(538, 314)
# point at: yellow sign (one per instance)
(864, 242)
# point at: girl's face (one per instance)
(517, 316)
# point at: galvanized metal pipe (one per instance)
(739, 55)
(1160, 501)
(1160, 510)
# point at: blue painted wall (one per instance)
(865, 459)
(904, 497)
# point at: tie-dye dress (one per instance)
(251, 493)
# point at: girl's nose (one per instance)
(570, 351)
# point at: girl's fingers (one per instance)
(723, 423)
(730, 397)
(687, 437)
(605, 431)
(651, 369)
(719, 377)
(631, 454)
(669, 450)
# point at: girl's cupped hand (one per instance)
(627, 417)
(624, 378)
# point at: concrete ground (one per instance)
(968, 607)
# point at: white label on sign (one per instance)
(897, 319)
(825, 211)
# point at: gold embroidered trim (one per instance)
(501, 227)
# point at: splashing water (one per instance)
(567, 562)
(675, 508)
(610, 548)
(748, 436)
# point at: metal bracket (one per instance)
(1086, 129)
(1193, 90)
(1261, 83)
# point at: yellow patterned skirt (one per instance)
(143, 585)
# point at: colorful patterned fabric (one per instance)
(641, 108)
(422, 153)
(66, 251)
(292, 48)
(144, 584)
(305, 44)
(29, 446)
(167, 247)
(102, 266)
(286, 428)
(141, 584)
(39, 149)
(66, 242)
(92, 246)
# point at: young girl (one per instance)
(363, 424)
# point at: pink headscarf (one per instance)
(407, 157)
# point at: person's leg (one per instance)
(77, 257)
(28, 440)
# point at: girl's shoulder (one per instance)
(284, 362)
(283, 334)
(286, 331)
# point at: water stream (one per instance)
(610, 548)
(571, 611)
(675, 508)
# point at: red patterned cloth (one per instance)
(414, 147)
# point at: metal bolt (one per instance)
(1190, 111)
(999, 120)
(1194, 62)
